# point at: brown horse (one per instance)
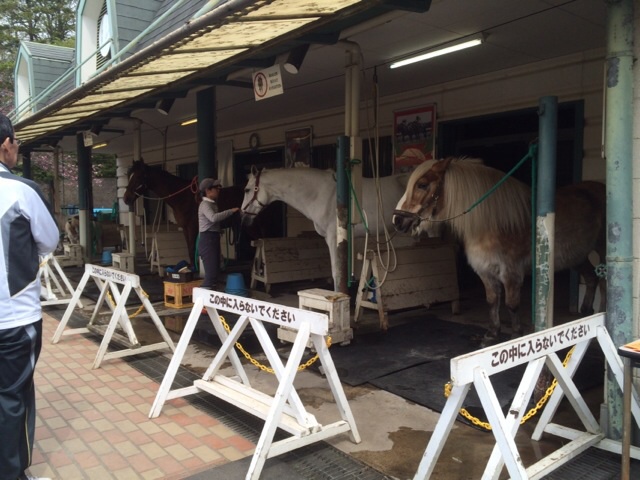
(497, 233)
(180, 194)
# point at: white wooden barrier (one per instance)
(535, 350)
(107, 280)
(285, 409)
(51, 271)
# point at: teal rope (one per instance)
(531, 154)
(353, 193)
(349, 217)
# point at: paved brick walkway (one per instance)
(93, 424)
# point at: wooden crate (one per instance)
(123, 261)
(179, 295)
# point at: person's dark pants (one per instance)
(19, 352)
(209, 248)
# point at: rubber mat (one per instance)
(424, 383)
(425, 338)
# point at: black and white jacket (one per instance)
(27, 231)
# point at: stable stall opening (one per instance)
(501, 140)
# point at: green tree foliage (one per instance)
(44, 21)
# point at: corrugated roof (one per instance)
(229, 34)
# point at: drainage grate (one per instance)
(594, 464)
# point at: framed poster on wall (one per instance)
(414, 137)
(297, 147)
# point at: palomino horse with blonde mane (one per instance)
(312, 192)
(496, 234)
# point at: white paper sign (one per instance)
(267, 83)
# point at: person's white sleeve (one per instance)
(44, 227)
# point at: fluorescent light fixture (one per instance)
(188, 122)
(461, 44)
(100, 145)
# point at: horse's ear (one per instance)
(254, 170)
(443, 164)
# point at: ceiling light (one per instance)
(451, 47)
(99, 145)
(164, 105)
(295, 59)
(188, 122)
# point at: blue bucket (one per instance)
(106, 257)
(235, 285)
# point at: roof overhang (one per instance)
(233, 35)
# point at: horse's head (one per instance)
(255, 197)
(137, 182)
(422, 200)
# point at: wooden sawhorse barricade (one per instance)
(107, 280)
(535, 350)
(284, 409)
(51, 271)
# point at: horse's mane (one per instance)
(506, 210)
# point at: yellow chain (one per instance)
(262, 367)
(113, 304)
(487, 426)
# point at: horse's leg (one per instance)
(512, 292)
(331, 243)
(591, 281)
(190, 244)
(603, 294)
(493, 292)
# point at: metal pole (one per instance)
(206, 131)
(85, 192)
(342, 214)
(618, 147)
(545, 212)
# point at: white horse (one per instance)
(313, 193)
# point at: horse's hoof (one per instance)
(488, 341)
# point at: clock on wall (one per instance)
(254, 141)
